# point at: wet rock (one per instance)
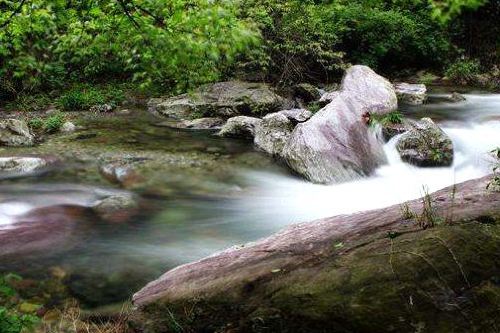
(426, 145)
(457, 97)
(336, 144)
(120, 173)
(68, 127)
(97, 289)
(117, 207)
(272, 133)
(390, 130)
(15, 132)
(371, 271)
(329, 96)
(25, 165)
(27, 231)
(222, 99)
(411, 94)
(297, 115)
(207, 123)
(306, 92)
(240, 127)
(102, 108)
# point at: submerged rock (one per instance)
(120, 172)
(336, 144)
(457, 97)
(117, 207)
(222, 99)
(15, 132)
(240, 127)
(366, 272)
(411, 94)
(426, 145)
(273, 132)
(207, 123)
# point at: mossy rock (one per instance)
(374, 271)
(445, 279)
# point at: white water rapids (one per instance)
(189, 228)
(474, 129)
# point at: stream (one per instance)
(106, 262)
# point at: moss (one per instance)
(444, 279)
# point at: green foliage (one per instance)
(35, 124)
(177, 45)
(463, 71)
(49, 125)
(394, 117)
(444, 11)
(83, 97)
(313, 40)
(11, 321)
(53, 123)
(299, 40)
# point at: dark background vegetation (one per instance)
(168, 47)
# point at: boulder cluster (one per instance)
(334, 144)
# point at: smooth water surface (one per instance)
(107, 262)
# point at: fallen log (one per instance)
(431, 265)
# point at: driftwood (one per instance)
(309, 277)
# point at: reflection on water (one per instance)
(171, 230)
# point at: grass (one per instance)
(394, 117)
(83, 97)
(428, 217)
(71, 320)
(49, 125)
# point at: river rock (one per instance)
(117, 207)
(426, 145)
(240, 127)
(329, 96)
(336, 144)
(207, 123)
(24, 165)
(120, 172)
(222, 99)
(457, 97)
(306, 92)
(68, 127)
(272, 133)
(411, 94)
(15, 132)
(371, 271)
(102, 108)
(297, 115)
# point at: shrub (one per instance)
(464, 71)
(183, 43)
(314, 40)
(299, 41)
(53, 123)
(50, 125)
(83, 97)
(35, 124)
(10, 320)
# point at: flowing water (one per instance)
(108, 262)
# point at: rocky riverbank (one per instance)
(429, 265)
